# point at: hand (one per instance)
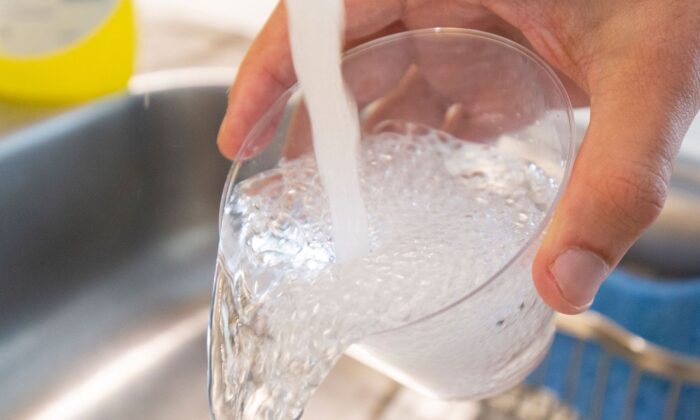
(638, 62)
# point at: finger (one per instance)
(298, 140)
(369, 75)
(495, 92)
(413, 100)
(617, 187)
(480, 127)
(266, 72)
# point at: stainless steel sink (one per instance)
(108, 231)
(108, 218)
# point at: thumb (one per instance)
(617, 187)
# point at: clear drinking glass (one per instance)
(478, 87)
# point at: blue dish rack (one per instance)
(634, 356)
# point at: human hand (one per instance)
(638, 62)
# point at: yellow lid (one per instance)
(64, 51)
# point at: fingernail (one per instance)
(579, 274)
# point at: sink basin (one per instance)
(109, 230)
(108, 234)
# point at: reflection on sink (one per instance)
(108, 222)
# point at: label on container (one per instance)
(38, 27)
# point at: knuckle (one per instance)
(635, 193)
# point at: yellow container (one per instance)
(64, 51)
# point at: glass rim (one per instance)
(261, 125)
